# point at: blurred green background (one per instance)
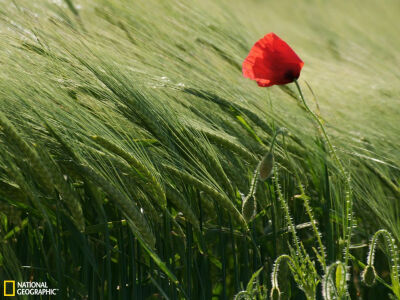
(128, 134)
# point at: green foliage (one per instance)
(128, 137)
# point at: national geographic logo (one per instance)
(33, 288)
(9, 288)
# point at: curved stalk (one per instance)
(346, 176)
(393, 253)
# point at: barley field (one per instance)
(136, 161)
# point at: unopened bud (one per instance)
(369, 275)
(266, 166)
(249, 207)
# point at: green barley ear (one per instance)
(275, 293)
(136, 220)
(67, 193)
(222, 199)
(229, 143)
(369, 275)
(180, 203)
(13, 137)
(153, 187)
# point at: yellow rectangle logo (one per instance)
(9, 284)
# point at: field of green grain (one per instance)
(129, 146)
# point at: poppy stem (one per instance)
(346, 176)
(318, 120)
(274, 139)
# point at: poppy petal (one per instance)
(271, 61)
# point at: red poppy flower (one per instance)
(271, 61)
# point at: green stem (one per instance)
(349, 204)
(285, 208)
(393, 253)
(314, 226)
(318, 120)
(257, 170)
(309, 211)
(275, 270)
(273, 139)
(379, 279)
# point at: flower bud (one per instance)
(266, 166)
(369, 275)
(249, 207)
